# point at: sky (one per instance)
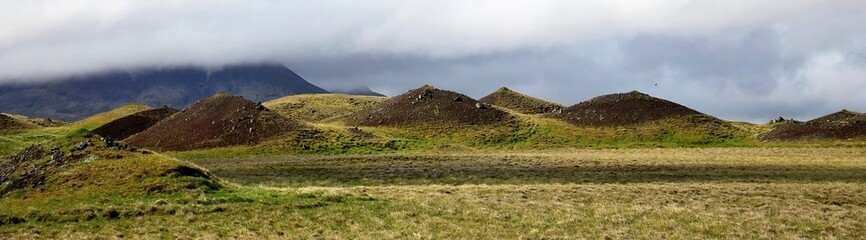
(748, 60)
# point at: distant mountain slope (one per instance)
(74, 98)
(360, 91)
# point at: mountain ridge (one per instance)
(75, 97)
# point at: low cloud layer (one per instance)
(741, 60)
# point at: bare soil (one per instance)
(217, 121)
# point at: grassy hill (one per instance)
(319, 107)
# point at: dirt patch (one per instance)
(840, 125)
(428, 105)
(217, 121)
(622, 109)
(125, 127)
(519, 102)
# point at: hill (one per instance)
(97, 120)
(839, 125)
(519, 102)
(317, 107)
(32, 121)
(428, 105)
(9, 124)
(75, 97)
(217, 121)
(80, 162)
(622, 109)
(127, 126)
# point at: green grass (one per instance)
(531, 178)
(764, 193)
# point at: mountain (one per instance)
(360, 91)
(73, 98)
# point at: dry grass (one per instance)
(98, 120)
(730, 193)
(319, 107)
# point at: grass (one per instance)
(764, 193)
(598, 166)
(320, 107)
(531, 178)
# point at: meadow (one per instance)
(678, 193)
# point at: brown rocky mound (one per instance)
(521, 103)
(217, 121)
(840, 125)
(428, 105)
(125, 127)
(622, 109)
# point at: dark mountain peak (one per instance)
(75, 97)
(359, 90)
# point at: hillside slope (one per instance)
(839, 125)
(317, 107)
(124, 127)
(217, 121)
(428, 105)
(622, 109)
(519, 102)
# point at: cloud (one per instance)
(763, 58)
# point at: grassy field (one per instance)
(530, 178)
(603, 193)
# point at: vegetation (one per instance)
(518, 176)
(633, 193)
(320, 107)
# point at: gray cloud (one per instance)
(744, 60)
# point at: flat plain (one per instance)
(680, 193)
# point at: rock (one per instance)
(482, 105)
(81, 145)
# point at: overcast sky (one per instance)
(739, 60)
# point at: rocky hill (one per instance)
(622, 109)
(218, 121)
(519, 102)
(428, 105)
